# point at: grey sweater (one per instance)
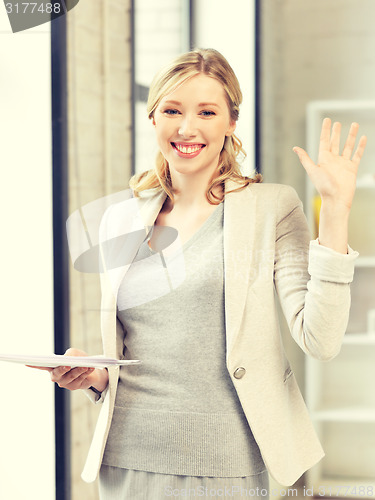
(178, 411)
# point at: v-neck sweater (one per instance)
(178, 411)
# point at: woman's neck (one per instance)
(191, 191)
(188, 200)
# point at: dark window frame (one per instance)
(60, 248)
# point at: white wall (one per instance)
(229, 28)
(27, 457)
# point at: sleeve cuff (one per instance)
(328, 265)
(96, 396)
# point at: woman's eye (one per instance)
(171, 111)
(207, 113)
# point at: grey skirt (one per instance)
(116, 483)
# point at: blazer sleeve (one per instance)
(94, 395)
(312, 281)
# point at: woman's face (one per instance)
(191, 124)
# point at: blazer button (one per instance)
(239, 372)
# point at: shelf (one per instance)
(359, 339)
(341, 106)
(365, 185)
(340, 394)
(349, 414)
(365, 262)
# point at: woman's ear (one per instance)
(231, 128)
(153, 121)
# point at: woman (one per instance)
(214, 403)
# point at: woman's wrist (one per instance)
(335, 208)
(333, 226)
(99, 380)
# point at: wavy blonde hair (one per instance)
(213, 64)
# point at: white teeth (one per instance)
(187, 150)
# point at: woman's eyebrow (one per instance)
(201, 104)
(177, 103)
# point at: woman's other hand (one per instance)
(334, 176)
(77, 378)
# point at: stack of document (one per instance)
(55, 360)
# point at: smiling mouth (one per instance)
(187, 150)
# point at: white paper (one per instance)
(55, 360)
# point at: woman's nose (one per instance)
(187, 127)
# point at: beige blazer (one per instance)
(266, 250)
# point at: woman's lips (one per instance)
(186, 150)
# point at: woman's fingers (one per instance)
(80, 382)
(330, 141)
(40, 368)
(350, 141)
(325, 134)
(335, 138)
(359, 151)
(60, 371)
(304, 158)
(66, 377)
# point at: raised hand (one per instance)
(334, 176)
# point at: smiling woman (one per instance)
(214, 403)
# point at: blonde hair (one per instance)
(211, 63)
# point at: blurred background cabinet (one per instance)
(340, 394)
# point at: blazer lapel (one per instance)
(239, 217)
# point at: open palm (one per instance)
(334, 176)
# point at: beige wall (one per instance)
(311, 49)
(99, 97)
